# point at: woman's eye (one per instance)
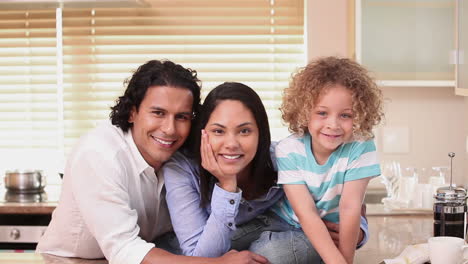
(245, 131)
(217, 131)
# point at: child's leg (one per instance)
(248, 232)
(281, 243)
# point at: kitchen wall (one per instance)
(422, 124)
(433, 119)
(465, 123)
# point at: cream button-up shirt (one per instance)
(112, 202)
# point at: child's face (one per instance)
(331, 121)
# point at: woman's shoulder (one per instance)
(180, 167)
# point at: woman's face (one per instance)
(233, 136)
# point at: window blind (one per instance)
(28, 90)
(257, 42)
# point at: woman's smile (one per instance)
(233, 136)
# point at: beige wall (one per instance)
(327, 28)
(436, 119)
(436, 122)
(465, 123)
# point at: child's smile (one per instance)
(331, 121)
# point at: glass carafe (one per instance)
(450, 212)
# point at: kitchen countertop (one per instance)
(389, 236)
(381, 210)
(33, 258)
(43, 207)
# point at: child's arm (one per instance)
(312, 224)
(350, 214)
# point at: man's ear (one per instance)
(133, 113)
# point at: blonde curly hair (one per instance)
(311, 81)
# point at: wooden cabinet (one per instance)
(407, 42)
(462, 48)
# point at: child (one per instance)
(325, 166)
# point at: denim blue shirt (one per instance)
(206, 231)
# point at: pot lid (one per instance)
(22, 171)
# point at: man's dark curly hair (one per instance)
(153, 73)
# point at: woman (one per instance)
(219, 195)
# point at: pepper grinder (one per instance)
(450, 209)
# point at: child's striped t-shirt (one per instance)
(297, 165)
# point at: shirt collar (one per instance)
(140, 162)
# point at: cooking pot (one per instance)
(25, 181)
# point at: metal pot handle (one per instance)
(43, 180)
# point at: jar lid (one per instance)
(447, 193)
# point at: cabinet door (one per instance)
(462, 47)
(406, 40)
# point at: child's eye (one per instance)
(346, 115)
(321, 113)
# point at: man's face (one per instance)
(162, 123)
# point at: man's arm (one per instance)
(102, 196)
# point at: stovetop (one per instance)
(50, 194)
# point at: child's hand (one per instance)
(209, 163)
(334, 230)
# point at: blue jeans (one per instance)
(267, 235)
(168, 242)
(270, 236)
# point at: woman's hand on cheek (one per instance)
(209, 163)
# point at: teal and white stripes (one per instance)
(297, 165)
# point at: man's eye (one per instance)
(183, 117)
(158, 113)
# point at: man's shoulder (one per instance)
(104, 138)
(105, 133)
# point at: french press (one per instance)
(450, 209)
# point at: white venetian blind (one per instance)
(28, 91)
(257, 42)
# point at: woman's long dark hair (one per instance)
(262, 176)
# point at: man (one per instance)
(112, 202)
